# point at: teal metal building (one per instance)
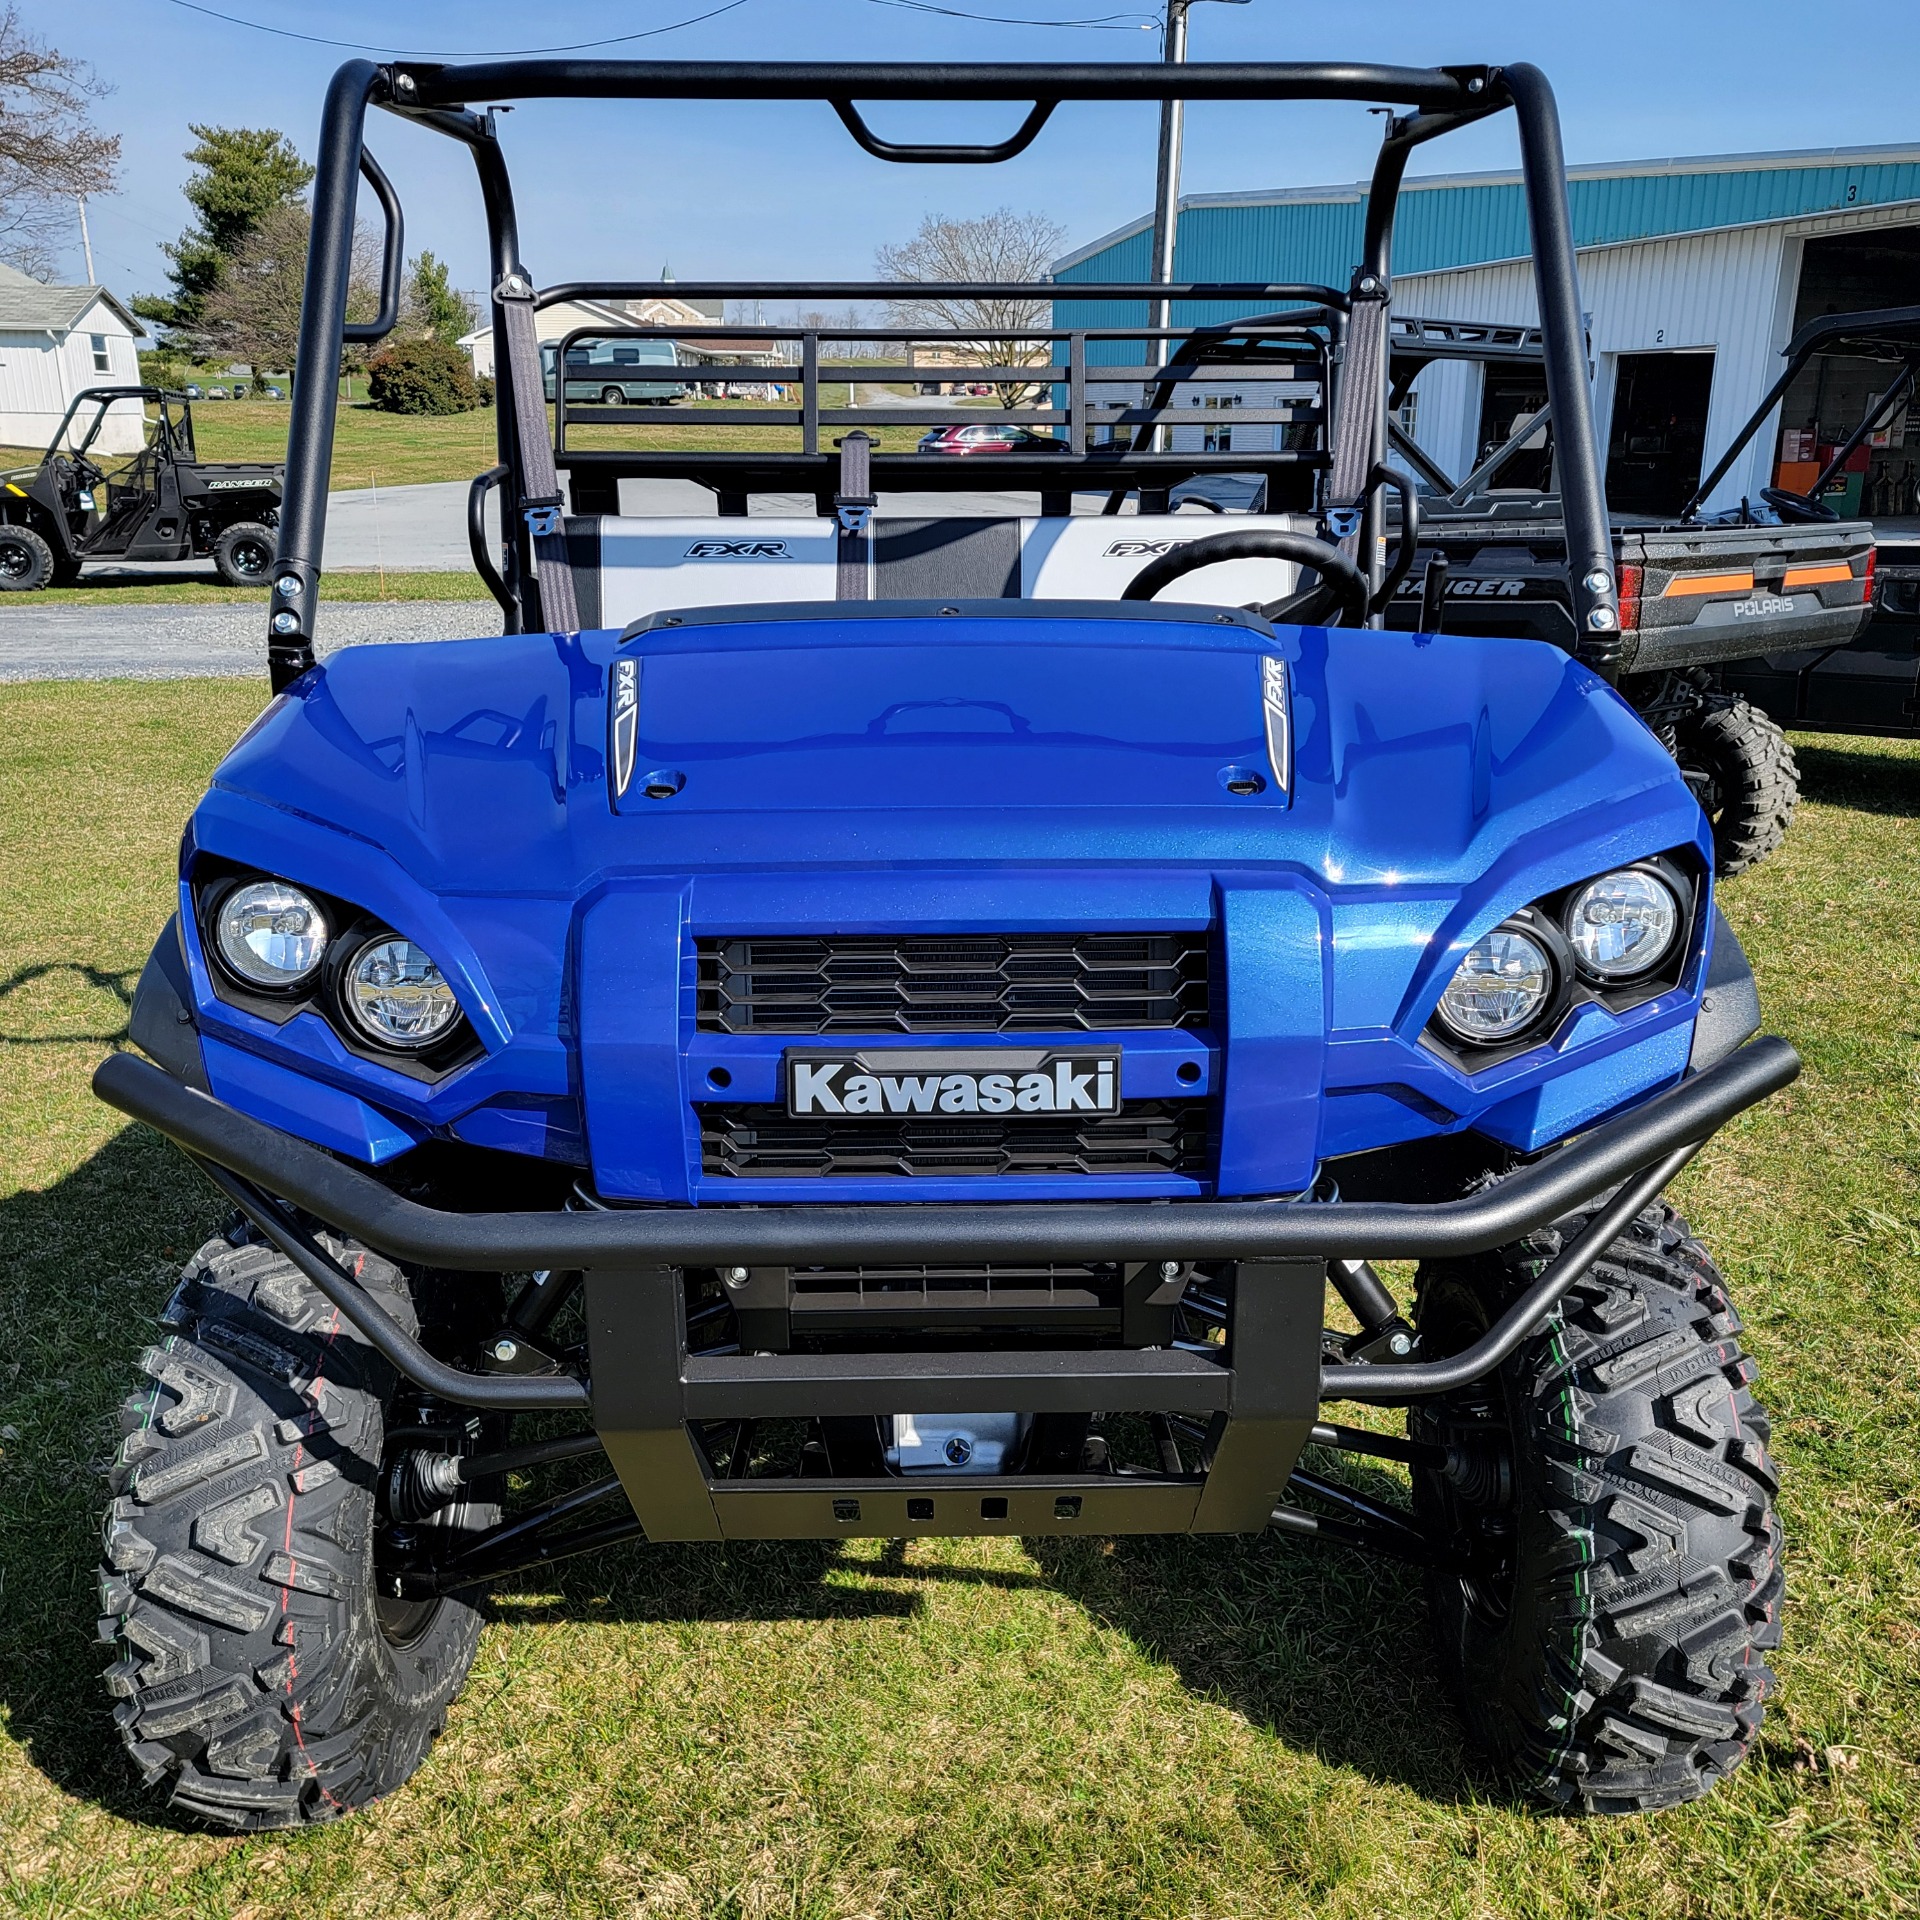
(1694, 271)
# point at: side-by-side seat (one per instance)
(626, 568)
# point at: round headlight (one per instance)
(397, 995)
(270, 934)
(1622, 924)
(1500, 988)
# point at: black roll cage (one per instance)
(176, 414)
(1423, 102)
(1890, 334)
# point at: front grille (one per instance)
(1147, 1137)
(954, 983)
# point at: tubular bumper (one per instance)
(649, 1396)
(827, 1235)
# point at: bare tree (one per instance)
(998, 246)
(50, 150)
(253, 309)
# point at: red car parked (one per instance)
(990, 437)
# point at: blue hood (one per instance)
(1345, 811)
(483, 765)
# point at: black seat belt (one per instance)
(853, 513)
(540, 502)
(1362, 368)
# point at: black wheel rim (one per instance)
(250, 556)
(403, 1622)
(16, 559)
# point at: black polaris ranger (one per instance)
(1703, 598)
(120, 482)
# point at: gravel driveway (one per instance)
(179, 643)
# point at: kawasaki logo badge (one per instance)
(738, 550)
(892, 1080)
(1140, 549)
(624, 725)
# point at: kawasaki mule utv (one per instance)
(120, 482)
(889, 1025)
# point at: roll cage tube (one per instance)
(436, 96)
(1884, 332)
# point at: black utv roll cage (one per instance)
(1890, 334)
(1352, 480)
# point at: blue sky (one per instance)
(781, 192)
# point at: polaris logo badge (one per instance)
(625, 721)
(738, 550)
(1761, 606)
(1140, 549)
(889, 1081)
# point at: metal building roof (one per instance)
(1459, 220)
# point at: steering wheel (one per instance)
(1797, 509)
(1341, 589)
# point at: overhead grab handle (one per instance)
(952, 156)
(392, 258)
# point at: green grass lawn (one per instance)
(371, 448)
(1027, 1730)
(207, 589)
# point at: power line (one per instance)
(445, 53)
(1096, 23)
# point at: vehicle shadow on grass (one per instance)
(1322, 1648)
(1324, 1651)
(86, 1264)
(1885, 783)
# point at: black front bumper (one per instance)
(648, 1396)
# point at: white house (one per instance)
(56, 342)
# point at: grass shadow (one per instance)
(1861, 782)
(119, 983)
(89, 1262)
(1321, 1649)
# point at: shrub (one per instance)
(422, 376)
(484, 382)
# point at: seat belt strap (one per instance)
(540, 502)
(1362, 368)
(853, 515)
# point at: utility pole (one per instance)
(1166, 196)
(86, 239)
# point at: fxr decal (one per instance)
(738, 550)
(626, 720)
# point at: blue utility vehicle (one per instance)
(880, 1025)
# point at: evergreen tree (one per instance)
(435, 307)
(242, 174)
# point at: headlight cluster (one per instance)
(1604, 935)
(274, 939)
